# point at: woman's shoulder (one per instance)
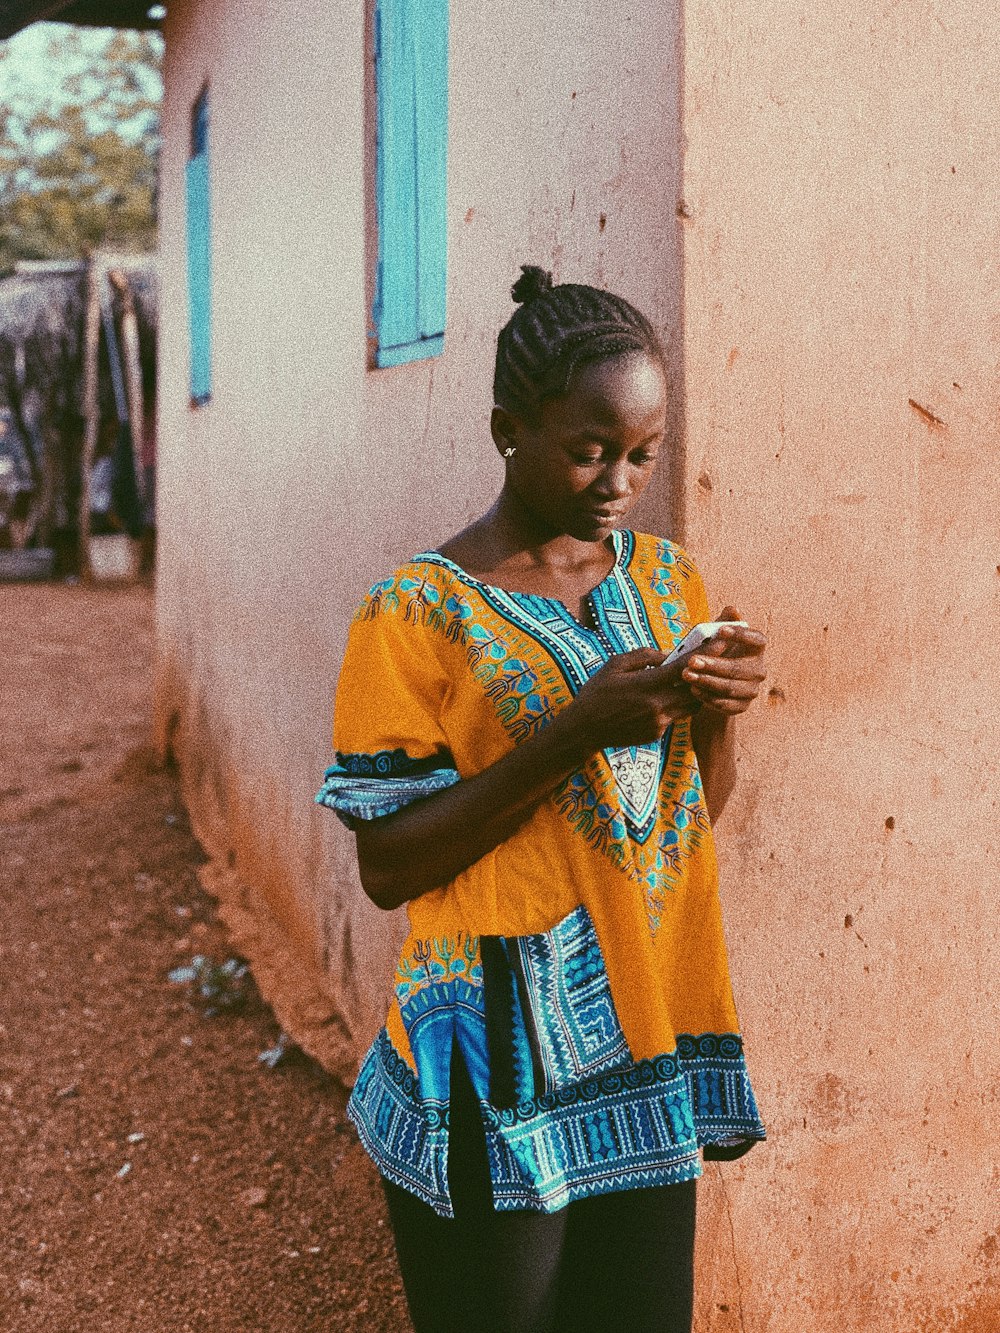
(422, 583)
(651, 549)
(667, 576)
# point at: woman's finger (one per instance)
(733, 668)
(736, 639)
(638, 659)
(720, 686)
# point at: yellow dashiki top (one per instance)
(580, 966)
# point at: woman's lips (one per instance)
(606, 515)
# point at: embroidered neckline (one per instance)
(617, 540)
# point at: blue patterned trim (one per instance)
(725, 1109)
(576, 649)
(567, 999)
(353, 795)
(385, 764)
(561, 1148)
(619, 611)
(406, 1137)
(637, 1126)
(435, 1018)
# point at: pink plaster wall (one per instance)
(840, 260)
(308, 476)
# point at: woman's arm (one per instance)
(725, 680)
(427, 844)
(714, 744)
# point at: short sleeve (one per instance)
(675, 579)
(390, 746)
(693, 589)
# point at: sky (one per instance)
(30, 74)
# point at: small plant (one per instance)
(224, 986)
(274, 1055)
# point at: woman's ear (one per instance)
(504, 428)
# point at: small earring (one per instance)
(507, 452)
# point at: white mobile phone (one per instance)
(697, 638)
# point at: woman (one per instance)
(523, 772)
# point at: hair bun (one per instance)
(533, 283)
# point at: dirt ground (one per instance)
(155, 1176)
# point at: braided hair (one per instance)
(556, 330)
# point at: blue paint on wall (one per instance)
(199, 250)
(411, 79)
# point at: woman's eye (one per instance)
(586, 460)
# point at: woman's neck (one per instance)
(510, 548)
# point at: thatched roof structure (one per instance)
(41, 304)
(38, 295)
(45, 383)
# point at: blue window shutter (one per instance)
(432, 163)
(199, 257)
(411, 178)
(396, 178)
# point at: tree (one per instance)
(78, 161)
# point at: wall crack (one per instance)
(732, 1240)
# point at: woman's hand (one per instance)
(426, 844)
(629, 701)
(727, 675)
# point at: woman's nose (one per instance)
(613, 483)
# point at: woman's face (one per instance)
(584, 463)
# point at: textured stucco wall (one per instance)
(840, 259)
(308, 476)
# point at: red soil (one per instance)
(246, 1204)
